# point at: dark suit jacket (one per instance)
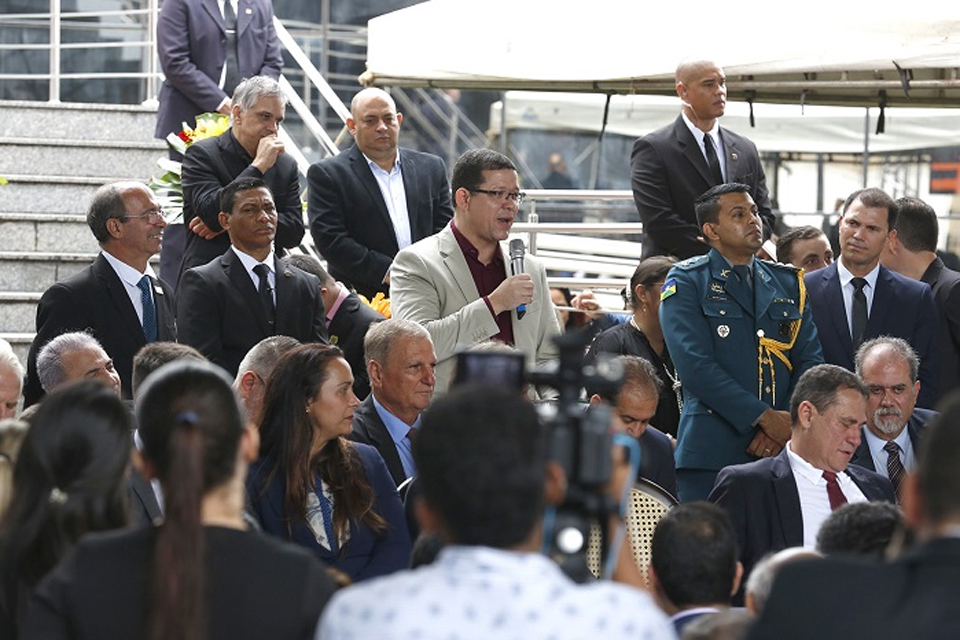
(668, 173)
(347, 330)
(191, 45)
(762, 500)
(915, 427)
(95, 299)
(220, 310)
(369, 429)
(366, 555)
(212, 164)
(839, 598)
(946, 294)
(144, 507)
(656, 460)
(902, 307)
(350, 222)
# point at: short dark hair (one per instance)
(649, 271)
(107, 202)
(898, 345)
(938, 473)
(694, 554)
(481, 458)
(468, 172)
(875, 198)
(819, 386)
(863, 528)
(917, 225)
(707, 205)
(228, 197)
(154, 355)
(311, 265)
(792, 236)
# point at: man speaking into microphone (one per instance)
(456, 283)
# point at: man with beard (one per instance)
(889, 366)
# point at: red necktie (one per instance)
(837, 499)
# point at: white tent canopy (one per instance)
(819, 51)
(779, 127)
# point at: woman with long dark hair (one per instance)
(200, 574)
(642, 336)
(68, 480)
(313, 486)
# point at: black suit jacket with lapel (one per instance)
(668, 172)
(212, 164)
(95, 299)
(916, 425)
(350, 222)
(368, 428)
(222, 316)
(763, 502)
(946, 294)
(901, 307)
(347, 330)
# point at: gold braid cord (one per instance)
(767, 348)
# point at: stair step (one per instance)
(21, 344)
(65, 120)
(134, 160)
(18, 313)
(48, 194)
(45, 233)
(36, 272)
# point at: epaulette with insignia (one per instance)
(692, 262)
(780, 265)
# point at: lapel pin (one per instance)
(249, 11)
(723, 331)
(287, 274)
(733, 156)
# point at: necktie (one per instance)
(149, 309)
(859, 312)
(743, 273)
(713, 162)
(895, 469)
(232, 79)
(412, 435)
(266, 294)
(837, 499)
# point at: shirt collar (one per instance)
(471, 251)
(398, 428)
(806, 470)
(876, 443)
(846, 276)
(332, 311)
(249, 262)
(375, 167)
(124, 271)
(697, 133)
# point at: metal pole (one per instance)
(866, 146)
(820, 182)
(54, 50)
(503, 122)
(151, 53)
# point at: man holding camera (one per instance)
(484, 477)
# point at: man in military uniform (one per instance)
(740, 334)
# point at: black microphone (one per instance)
(516, 266)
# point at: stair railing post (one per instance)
(54, 50)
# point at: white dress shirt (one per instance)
(395, 197)
(717, 143)
(847, 288)
(249, 262)
(130, 278)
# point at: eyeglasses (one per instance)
(153, 217)
(502, 196)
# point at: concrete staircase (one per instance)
(54, 157)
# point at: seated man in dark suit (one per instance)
(693, 562)
(912, 252)
(348, 319)
(255, 370)
(231, 304)
(249, 149)
(375, 198)
(781, 502)
(634, 405)
(117, 298)
(913, 596)
(400, 363)
(856, 298)
(888, 366)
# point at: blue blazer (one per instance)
(902, 307)
(915, 427)
(710, 326)
(365, 555)
(763, 502)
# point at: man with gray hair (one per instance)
(11, 381)
(75, 356)
(250, 148)
(889, 367)
(400, 364)
(117, 298)
(255, 371)
(762, 577)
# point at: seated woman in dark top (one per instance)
(68, 480)
(643, 337)
(314, 487)
(199, 574)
